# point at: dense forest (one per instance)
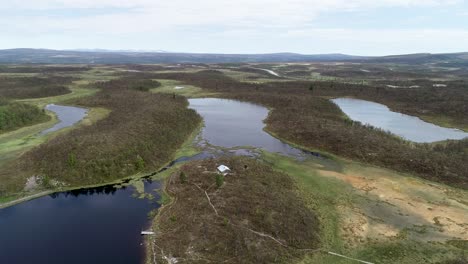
(142, 132)
(302, 115)
(33, 87)
(15, 115)
(129, 83)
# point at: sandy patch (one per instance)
(31, 183)
(394, 205)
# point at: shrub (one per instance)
(16, 115)
(219, 180)
(139, 163)
(71, 160)
(183, 177)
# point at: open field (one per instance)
(177, 87)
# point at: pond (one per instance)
(97, 225)
(230, 124)
(408, 127)
(103, 225)
(67, 116)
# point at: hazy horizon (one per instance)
(355, 27)
(225, 53)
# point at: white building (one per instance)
(223, 169)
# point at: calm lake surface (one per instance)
(103, 225)
(67, 116)
(230, 123)
(98, 225)
(409, 127)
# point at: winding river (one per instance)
(67, 116)
(408, 127)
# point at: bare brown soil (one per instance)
(401, 207)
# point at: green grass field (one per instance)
(189, 91)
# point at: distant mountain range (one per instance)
(100, 56)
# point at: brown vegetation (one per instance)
(33, 87)
(450, 101)
(142, 132)
(255, 216)
(302, 117)
(43, 69)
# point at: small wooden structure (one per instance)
(223, 169)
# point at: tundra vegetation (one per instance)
(254, 216)
(272, 209)
(14, 115)
(142, 132)
(308, 119)
(33, 87)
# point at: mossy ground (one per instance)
(336, 199)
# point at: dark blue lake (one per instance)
(98, 225)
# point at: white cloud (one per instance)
(384, 41)
(271, 19)
(51, 4)
(153, 15)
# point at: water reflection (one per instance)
(230, 124)
(408, 127)
(103, 224)
(67, 116)
(95, 225)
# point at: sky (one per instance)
(357, 27)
